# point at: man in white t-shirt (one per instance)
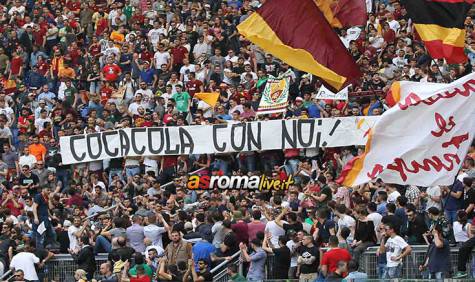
(433, 197)
(396, 249)
(26, 261)
(153, 232)
(275, 230)
(393, 193)
(161, 57)
(231, 56)
(74, 233)
(375, 217)
(144, 91)
(154, 34)
(393, 24)
(186, 69)
(17, 8)
(344, 220)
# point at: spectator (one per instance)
(106, 273)
(453, 200)
(85, 257)
(364, 233)
(354, 274)
(256, 225)
(438, 258)
(257, 260)
(395, 249)
(135, 234)
(140, 263)
(177, 250)
(25, 261)
(332, 257)
(308, 259)
(234, 275)
(462, 228)
(282, 256)
(416, 227)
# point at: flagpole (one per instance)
(439, 71)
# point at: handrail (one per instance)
(418, 247)
(225, 262)
(6, 274)
(114, 206)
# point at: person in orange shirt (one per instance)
(66, 72)
(118, 36)
(37, 149)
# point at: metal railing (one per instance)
(220, 273)
(369, 263)
(62, 267)
(7, 275)
(410, 269)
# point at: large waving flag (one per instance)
(343, 13)
(297, 33)
(440, 24)
(422, 140)
(400, 90)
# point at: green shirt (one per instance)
(146, 267)
(128, 10)
(182, 100)
(69, 94)
(238, 278)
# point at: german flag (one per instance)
(343, 13)
(440, 24)
(297, 33)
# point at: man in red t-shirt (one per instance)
(178, 53)
(331, 258)
(16, 64)
(194, 85)
(111, 71)
(106, 93)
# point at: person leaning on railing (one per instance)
(438, 256)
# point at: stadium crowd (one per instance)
(73, 67)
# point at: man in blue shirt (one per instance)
(147, 74)
(41, 225)
(257, 259)
(453, 200)
(202, 250)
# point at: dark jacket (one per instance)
(86, 259)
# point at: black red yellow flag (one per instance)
(440, 24)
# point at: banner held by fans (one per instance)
(324, 93)
(218, 138)
(422, 140)
(274, 97)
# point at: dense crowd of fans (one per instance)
(74, 67)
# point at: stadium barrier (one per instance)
(62, 267)
(410, 269)
(220, 273)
